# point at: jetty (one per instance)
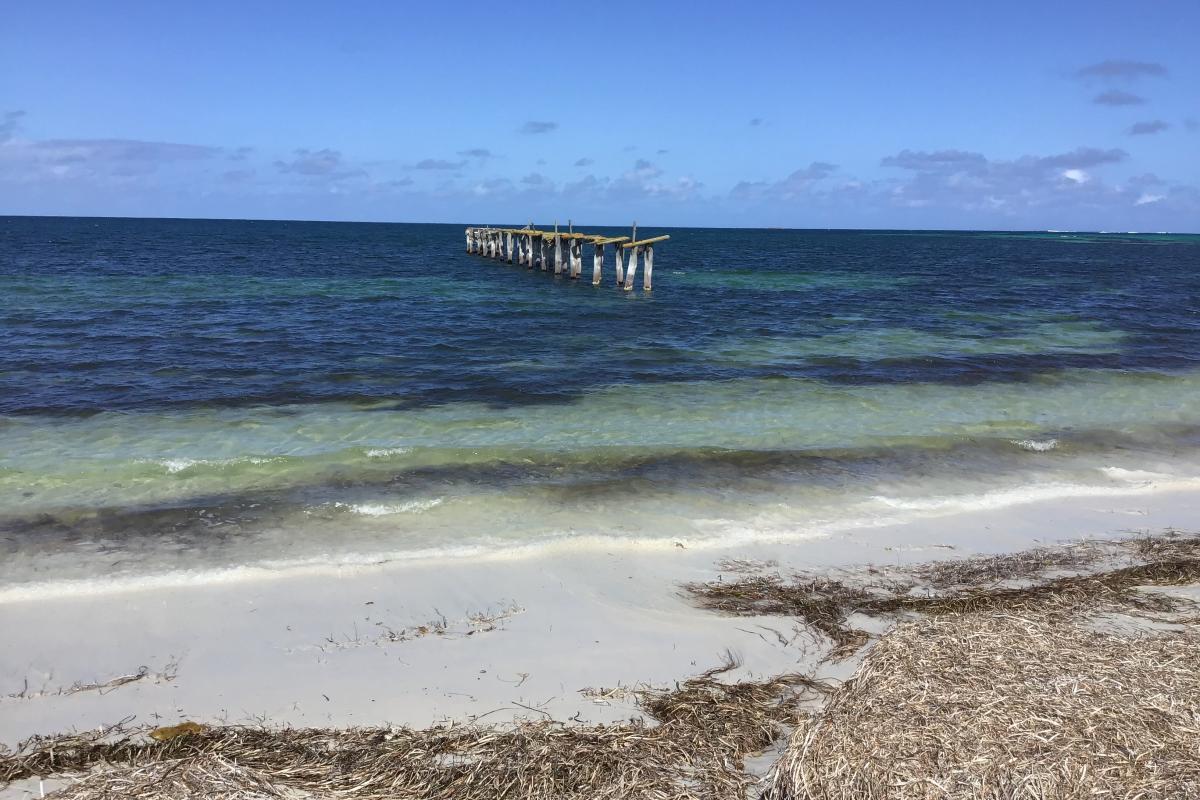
(562, 251)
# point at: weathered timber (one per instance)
(597, 261)
(534, 248)
(631, 273)
(645, 242)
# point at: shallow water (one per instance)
(178, 397)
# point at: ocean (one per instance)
(185, 401)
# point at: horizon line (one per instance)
(682, 227)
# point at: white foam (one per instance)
(1020, 495)
(1135, 475)
(178, 464)
(1036, 445)
(174, 465)
(384, 509)
(180, 579)
(713, 534)
(388, 452)
(339, 565)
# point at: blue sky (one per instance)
(1064, 115)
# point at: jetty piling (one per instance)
(597, 262)
(579, 258)
(648, 246)
(648, 258)
(534, 249)
(631, 273)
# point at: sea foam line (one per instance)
(174, 465)
(1135, 482)
(730, 534)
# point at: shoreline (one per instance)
(921, 513)
(414, 643)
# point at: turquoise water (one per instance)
(182, 397)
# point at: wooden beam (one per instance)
(645, 242)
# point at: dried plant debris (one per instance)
(751, 714)
(705, 729)
(1103, 575)
(1008, 567)
(746, 565)
(1171, 545)
(989, 705)
(822, 603)
(143, 673)
(379, 633)
(1003, 687)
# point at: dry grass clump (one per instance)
(705, 729)
(999, 706)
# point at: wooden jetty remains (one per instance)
(562, 251)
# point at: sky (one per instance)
(980, 115)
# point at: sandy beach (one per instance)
(502, 638)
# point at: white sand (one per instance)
(259, 648)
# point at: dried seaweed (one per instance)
(823, 603)
(826, 605)
(1004, 706)
(705, 729)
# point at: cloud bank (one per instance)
(1081, 187)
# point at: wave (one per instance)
(388, 452)
(1136, 482)
(176, 465)
(386, 509)
(1036, 445)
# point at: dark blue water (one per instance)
(100, 314)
